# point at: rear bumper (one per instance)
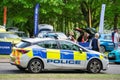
(23, 61)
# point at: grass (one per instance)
(51, 76)
(4, 56)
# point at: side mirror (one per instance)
(80, 50)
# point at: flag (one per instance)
(36, 18)
(101, 25)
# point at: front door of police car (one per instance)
(71, 57)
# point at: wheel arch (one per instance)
(38, 59)
(95, 59)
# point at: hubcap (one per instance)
(35, 66)
(95, 67)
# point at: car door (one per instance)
(52, 54)
(71, 56)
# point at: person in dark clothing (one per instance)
(80, 38)
(95, 43)
(113, 36)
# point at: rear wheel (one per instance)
(35, 66)
(94, 66)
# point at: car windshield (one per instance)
(8, 35)
(59, 35)
(106, 37)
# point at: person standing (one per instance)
(95, 44)
(113, 36)
(116, 38)
(71, 37)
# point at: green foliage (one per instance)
(64, 15)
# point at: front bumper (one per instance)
(105, 63)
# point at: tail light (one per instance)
(23, 51)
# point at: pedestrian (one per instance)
(116, 38)
(71, 36)
(95, 44)
(81, 37)
(113, 37)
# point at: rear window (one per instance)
(108, 37)
(23, 44)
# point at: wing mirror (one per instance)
(80, 50)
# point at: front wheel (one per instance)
(94, 66)
(35, 66)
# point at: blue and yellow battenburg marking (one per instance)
(63, 56)
(57, 56)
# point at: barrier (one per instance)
(5, 47)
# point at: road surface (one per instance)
(7, 68)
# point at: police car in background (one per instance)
(38, 54)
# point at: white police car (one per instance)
(39, 54)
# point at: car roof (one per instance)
(34, 40)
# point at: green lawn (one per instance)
(59, 76)
(4, 56)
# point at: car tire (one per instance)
(35, 66)
(102, 49)
(94, 66)
(21, 68)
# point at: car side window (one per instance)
(48, 44)
(41, 44)
(68, 46)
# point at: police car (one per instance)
(38, 54)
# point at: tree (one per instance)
(64, 15)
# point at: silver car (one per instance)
(39, 54)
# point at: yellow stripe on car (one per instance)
(30, 53)
(53, 54)
(80, 56)
(101, 57)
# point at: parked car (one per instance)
(106, 43)
(16, 31)
(81, 31)
(40, 54)
(114, 56)
(2, 29)
(43, 29)
(9, 37)
(55, 35)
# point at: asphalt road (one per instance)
(7, 68)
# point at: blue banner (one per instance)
(36, 18)
(5, 47)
